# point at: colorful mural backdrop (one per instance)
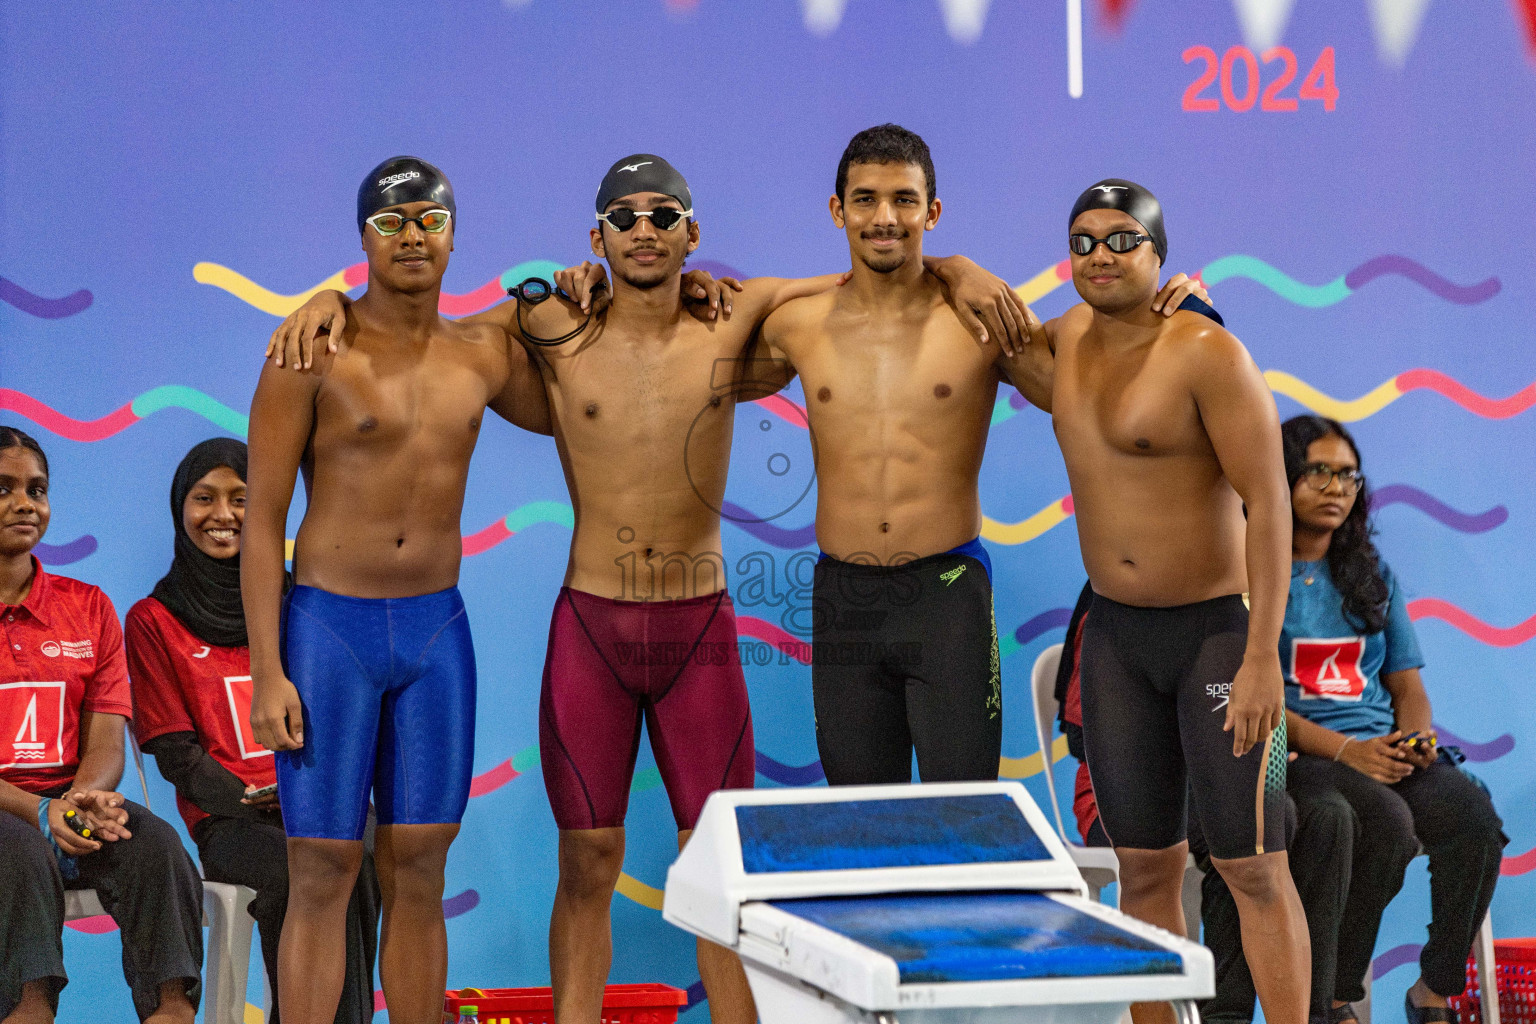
(1349, 178)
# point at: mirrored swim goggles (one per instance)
(1120, 242)
(434, 222)
(622, 218)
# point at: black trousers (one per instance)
(1320, 836)
(254, 854)
(147, 884)
(1441, 808)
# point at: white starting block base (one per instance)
(781, 997)
(936, 904)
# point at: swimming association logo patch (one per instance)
(31, 725)
(1328, 669)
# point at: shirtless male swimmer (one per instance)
(1169, 435)
(371, 684)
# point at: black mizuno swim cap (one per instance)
(1131, 198)
(642, 172)
(402, 179)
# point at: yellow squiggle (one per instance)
(243, 288)
(254, 1014)
(1345, 411)
(632, 888)
(1024, 767)
(1041, 285)
(1053, 515)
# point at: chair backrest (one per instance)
(1042, 681)
(138, 762)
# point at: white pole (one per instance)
(1075, 48)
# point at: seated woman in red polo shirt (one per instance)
(191, 670)
(64, 698)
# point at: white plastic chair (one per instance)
(1098, 864)
(225, 914)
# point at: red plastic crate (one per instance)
(1515, 971)
(646, 1003)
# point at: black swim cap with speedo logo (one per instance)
(642, 172)
(1130, 198)
(402, 179)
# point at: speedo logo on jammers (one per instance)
(395, 179)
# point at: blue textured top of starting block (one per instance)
(909, 832)
(985, 936)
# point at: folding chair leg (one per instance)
(226, 908)
(1487, 974)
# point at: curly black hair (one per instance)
(1353, 561)
(887, 144)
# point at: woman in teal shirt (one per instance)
(1359, 719)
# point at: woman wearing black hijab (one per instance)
(191, 670)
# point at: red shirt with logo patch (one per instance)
(181, 684)
(63, 656)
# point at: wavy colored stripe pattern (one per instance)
(1520, 864)
(449, 303)
(1033, 764)
(765, 530)
(1462, 522)
(1339, 289)
(1476, 752)
(1055, 618)
(788, 774)
(632, 888)
(463, 903)
(519, 519)
(167, 396)
(1048, 518)
(1477, 629)
(1394, 958)
(179, 396)
(67, 553)
(1036, 288)
(14, 294)
(1045, 282)
(762, 629)
(1350, 410)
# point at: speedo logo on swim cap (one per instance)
(395, 179)
(1110, 188)
(634, 167)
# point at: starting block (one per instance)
(948, 903)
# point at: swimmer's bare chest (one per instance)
(900, 412)
(624, 406)
(1157, 521)
(1134, 402)
(387, 463)
(643, 427)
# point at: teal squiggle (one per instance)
(527, 515)
(179, 396)
(1282, 284)
(530, 268)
